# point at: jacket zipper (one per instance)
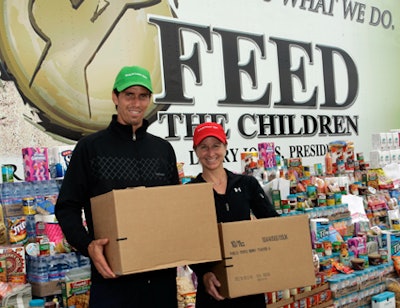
(227, 206)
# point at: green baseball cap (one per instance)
(130, 76)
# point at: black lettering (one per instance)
(310, 125)
(350, 10)
(307, 149)
(286, 73)
(171, 123)
(338, 125)
(329, 81)
(291, 122)
(241, 125)
(353, 124)
(193, 158)
(172, 50)
(267, 122)
(292, 150)
(234, 153)
(232, 69)
(299, 151)
(324, 122)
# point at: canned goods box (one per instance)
(157, 227)
(265, 255)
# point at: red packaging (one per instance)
(15, 260)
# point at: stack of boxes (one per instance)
(28, 227)
(385, 149)
(323, 218)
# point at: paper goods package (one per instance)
(265, 255)
(157, 227)
(36, 164)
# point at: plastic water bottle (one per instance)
(31, 228)
(17, 191)
(38, 192)
(6, 193)
(83, 260)
(27, 189)
(63, 266)
(42, 270)
(72, 259)
(30, 268)
(53, 271)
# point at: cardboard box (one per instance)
(265, 255)
(42, 289)
(158, 227)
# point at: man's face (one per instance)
(132, 104)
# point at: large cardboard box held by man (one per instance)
(158, 227)
(265, 255)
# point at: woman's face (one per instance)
(211, 153)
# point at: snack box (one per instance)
(265, 255)
(157, 227)
(76, 293)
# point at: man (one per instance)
(120, 156)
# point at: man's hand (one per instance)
(211, 284)
(96, 253)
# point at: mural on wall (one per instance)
(298, 73)
(58, 61)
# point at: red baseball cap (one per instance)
(208, 129)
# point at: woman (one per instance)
(236, 197)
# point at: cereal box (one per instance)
(3, 268)
(15, 261)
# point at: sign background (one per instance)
(372, 43)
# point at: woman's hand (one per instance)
(212, 284)
(96, 253)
